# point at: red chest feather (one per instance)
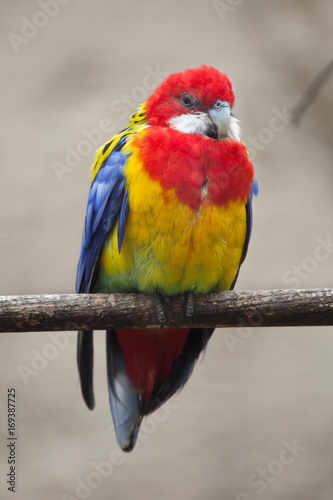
(200, 169)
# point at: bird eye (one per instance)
(188, 101)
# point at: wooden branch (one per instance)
(27, 313)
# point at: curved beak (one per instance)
(220, 116)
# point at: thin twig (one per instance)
(309, 94)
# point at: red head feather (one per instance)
(206, 83)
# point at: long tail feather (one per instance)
(129, 404)
(124, 401)
(85, 361)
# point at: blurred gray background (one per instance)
(256, 418)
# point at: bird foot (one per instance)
(188, 304)
(162, 303)
(159, 308)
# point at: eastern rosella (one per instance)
(169, 213)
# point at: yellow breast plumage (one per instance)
(167, 246)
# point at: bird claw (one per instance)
(159, 309)
(160, 303)
(188, 305)
(167, 303)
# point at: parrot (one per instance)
(169, 213)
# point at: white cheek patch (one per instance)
(198, 123)
(234, 129)
(190, 123)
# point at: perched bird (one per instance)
(169, 213)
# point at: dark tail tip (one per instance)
(85, 362)
(128, 448)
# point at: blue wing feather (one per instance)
(107, 204)
(122, 220)
(249, 218)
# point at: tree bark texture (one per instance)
(33, 313)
